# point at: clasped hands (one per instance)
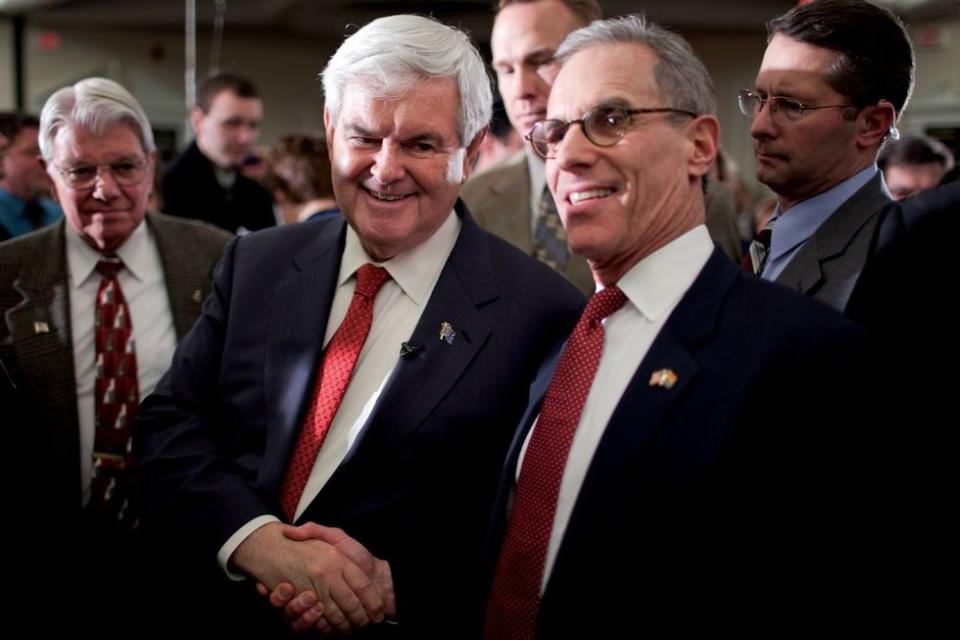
(319, 576)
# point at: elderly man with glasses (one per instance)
(646, 472)
(91, 310)
(835, 78)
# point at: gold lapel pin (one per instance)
(665, 378)
(40, 327)
(196, 296)
(447, 334)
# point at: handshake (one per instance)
(318, 576)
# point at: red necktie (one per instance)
(337, 369)
(116, 396)
(515, 595)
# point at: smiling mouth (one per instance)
(582, 196)
(386, 197)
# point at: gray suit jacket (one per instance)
(499, 199)
(828, 265)
(35, 336)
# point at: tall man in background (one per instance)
(835, 77)
(204, 182)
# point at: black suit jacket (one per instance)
(215, 438)
(697, 494)
(191, 190)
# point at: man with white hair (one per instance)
(379, 428)
(91, 310)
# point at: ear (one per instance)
(704, 136)
(473, 150)
(873, 124)
(153, 159)
(196, 117)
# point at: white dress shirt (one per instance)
(396, 312)
(145, 291)
(653, 288)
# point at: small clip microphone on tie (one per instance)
(407, 349)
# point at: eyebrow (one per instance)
(538, 56)
(75, 162)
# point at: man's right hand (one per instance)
(346, 595)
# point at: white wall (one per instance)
(6, 65)
(150, 64)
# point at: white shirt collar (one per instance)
(82, 258)
(414, 270)
(655, 284)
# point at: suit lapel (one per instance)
(645, 405)
(419, 382)
(510, 202)
(298, 323)
(187, 282)
(832, 238)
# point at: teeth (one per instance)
(580, 196)
(384, 196)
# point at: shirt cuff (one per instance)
(223, 556)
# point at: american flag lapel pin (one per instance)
(665, 378)
(447, 334)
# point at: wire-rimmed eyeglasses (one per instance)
(604, 126)
(126, 173)
(751, 104)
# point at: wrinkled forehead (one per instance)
(118, 141)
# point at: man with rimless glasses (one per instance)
(647, 473)
(835, 77)
(91, 310)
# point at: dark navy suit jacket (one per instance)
(695, 492)
(215, 438)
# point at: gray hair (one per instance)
(390, 55)
(681, 77)
(95, 104)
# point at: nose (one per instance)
(762, 125)
(575, 149)
(105, 188)
(387, 164)
(247, 134)
(529, 83)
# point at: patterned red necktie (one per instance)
(334, 377)
(515, 595)
(116, 397)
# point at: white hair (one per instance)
(96, 104)
(390, 55)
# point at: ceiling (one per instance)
(328, 17)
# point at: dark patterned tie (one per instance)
(116, 398)
(549, 236)
(755, 258)
(515, 595)
(339, 361)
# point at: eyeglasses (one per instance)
(603, 126)
(127, 173)
(751, 104)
